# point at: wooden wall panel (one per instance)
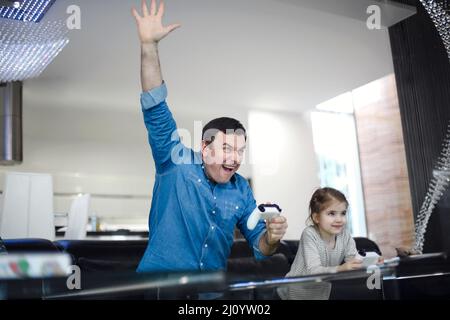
(384, 172)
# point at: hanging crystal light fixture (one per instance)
(439, 12)
(27, 48)
(440, 15)
(24, 10)
(439, 183)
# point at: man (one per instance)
(198, 198)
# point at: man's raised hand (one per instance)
(150, 27)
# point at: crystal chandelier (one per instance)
(439, 12)
(27, 48)
(439, 183)
(24, 10)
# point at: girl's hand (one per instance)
(380, 260)
(353, 264)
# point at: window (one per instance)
(336, 147)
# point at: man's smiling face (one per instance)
(223, 157)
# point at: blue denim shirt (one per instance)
(192, 220)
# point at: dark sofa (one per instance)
(93, 255)
(123, 256)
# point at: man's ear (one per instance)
(204, 146)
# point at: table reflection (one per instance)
(400, 278)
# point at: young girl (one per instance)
(323, 246)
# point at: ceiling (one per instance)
(254, 54)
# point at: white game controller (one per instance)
(262, 212)
(370, 259)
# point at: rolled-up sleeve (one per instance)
(161, 127)
(154, 97)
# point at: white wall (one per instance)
(82, 120)
(255, 53)
(104, 153)
(115, 159)
(285, 169)
(90, 151)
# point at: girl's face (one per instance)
(332, 219)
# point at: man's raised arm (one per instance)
(157, 117)
(151, 31)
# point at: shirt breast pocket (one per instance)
(231, 212)
(194, 181)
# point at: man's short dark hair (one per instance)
(225, 125)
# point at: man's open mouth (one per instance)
(228, 168)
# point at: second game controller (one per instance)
(371, 258)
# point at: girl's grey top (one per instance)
(314, 257)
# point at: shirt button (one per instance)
(206, 246)
(214, 211)
(199, 180)
(201, 264)
(237, 207)
(212, 227)
(215, 198)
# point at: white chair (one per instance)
(27, 206)
(78, 218)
